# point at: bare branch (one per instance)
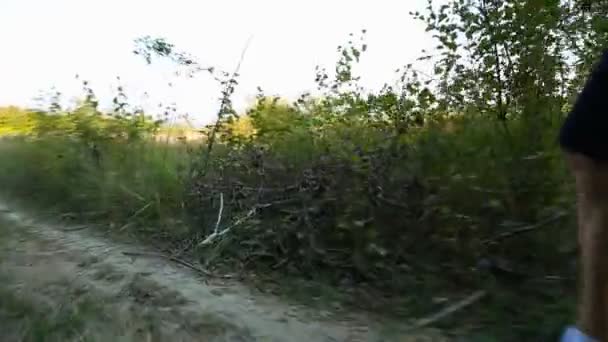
(219, 214)
(174, 259)
(449, 310)
(524, 229)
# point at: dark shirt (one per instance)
(585, 130)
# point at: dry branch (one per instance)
(174, 259)
(217, 234)
(75, 228)
(238, 222)
(219, 214)
(132, 193)
(524, 229)
(449, 310)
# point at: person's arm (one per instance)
(592, 203)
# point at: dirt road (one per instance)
(66, 283)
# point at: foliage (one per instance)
(403, 189)
(16, 121)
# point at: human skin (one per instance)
(591, 178)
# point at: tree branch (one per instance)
(524, 229)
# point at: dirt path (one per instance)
(118, 297)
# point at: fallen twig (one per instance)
(449, 310)
(139, 211)
(219, 214)
(209, 239)
(216, 230)
(391, 202)
(75, 228)
(174, 259)
(132, 193)
(279, 264)
(216, 234)
(524, 229)
(249, 188)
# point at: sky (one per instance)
(46, 43)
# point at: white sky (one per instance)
(45, 43)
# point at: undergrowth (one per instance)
(348, 208)
(403, 192)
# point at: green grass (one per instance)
(139, 184)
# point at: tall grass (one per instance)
(135, 183)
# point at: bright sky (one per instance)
(46, 43)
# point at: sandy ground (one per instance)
(144, 297)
